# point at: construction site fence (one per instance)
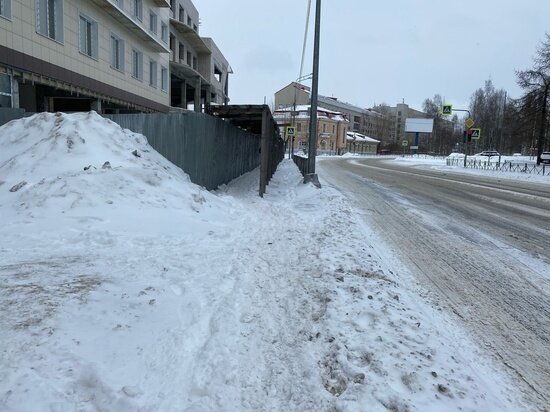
(210, 150)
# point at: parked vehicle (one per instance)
(489, 153)
(545, 157)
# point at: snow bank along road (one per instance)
(482, 246)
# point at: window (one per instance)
(137, 64)
(5, 8)
(164, 32)
(181, 14)
(5, 90)
(189, 21)
(163, 78)
(152, 73)
(117, 52)
(195, 28)
(88, 37)
(152, 22)
(181, 53)
(49, 19)
(137, 9)
(189, 61)
(194, 63)
(217, 74)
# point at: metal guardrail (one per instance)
(515, 167)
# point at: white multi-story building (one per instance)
(105, 55)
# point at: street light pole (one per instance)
(311, 176)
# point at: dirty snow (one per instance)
(126, 287)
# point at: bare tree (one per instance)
(536, 83)
(487, 109)
(443, 138)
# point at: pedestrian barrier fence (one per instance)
(506, 166)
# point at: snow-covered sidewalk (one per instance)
(124, 287)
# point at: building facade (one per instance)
(199, 71)
(331, 128)
(104, 55)
(361, 144)
(361, 120)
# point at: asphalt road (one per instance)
(480, 245)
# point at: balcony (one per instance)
(135, 26)
(162, 3)
(192, 37)
(184, 71)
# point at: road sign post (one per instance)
(404, 143)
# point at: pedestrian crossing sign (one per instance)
(290, 131)
(447, 109)
(476, 134)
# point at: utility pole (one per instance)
(311, 176)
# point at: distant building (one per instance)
(331, 128)
(361, 144)
(106, 55)
(398, 116)
(361, 120)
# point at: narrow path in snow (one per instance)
(482, 250)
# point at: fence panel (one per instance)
(211, 151)
(7, 114)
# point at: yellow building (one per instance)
(331, 128)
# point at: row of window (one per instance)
(137, 13)
(49, 23)
(181, 16)
(191, 59)
(137, 64)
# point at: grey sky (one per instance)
(378, 51)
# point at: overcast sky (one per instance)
(375, 51)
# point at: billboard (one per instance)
(419, 125)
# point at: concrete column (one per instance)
(96, 105)
(184, 94)
(198, 95)
(208, 99)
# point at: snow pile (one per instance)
(129, 288)
(82, 161)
